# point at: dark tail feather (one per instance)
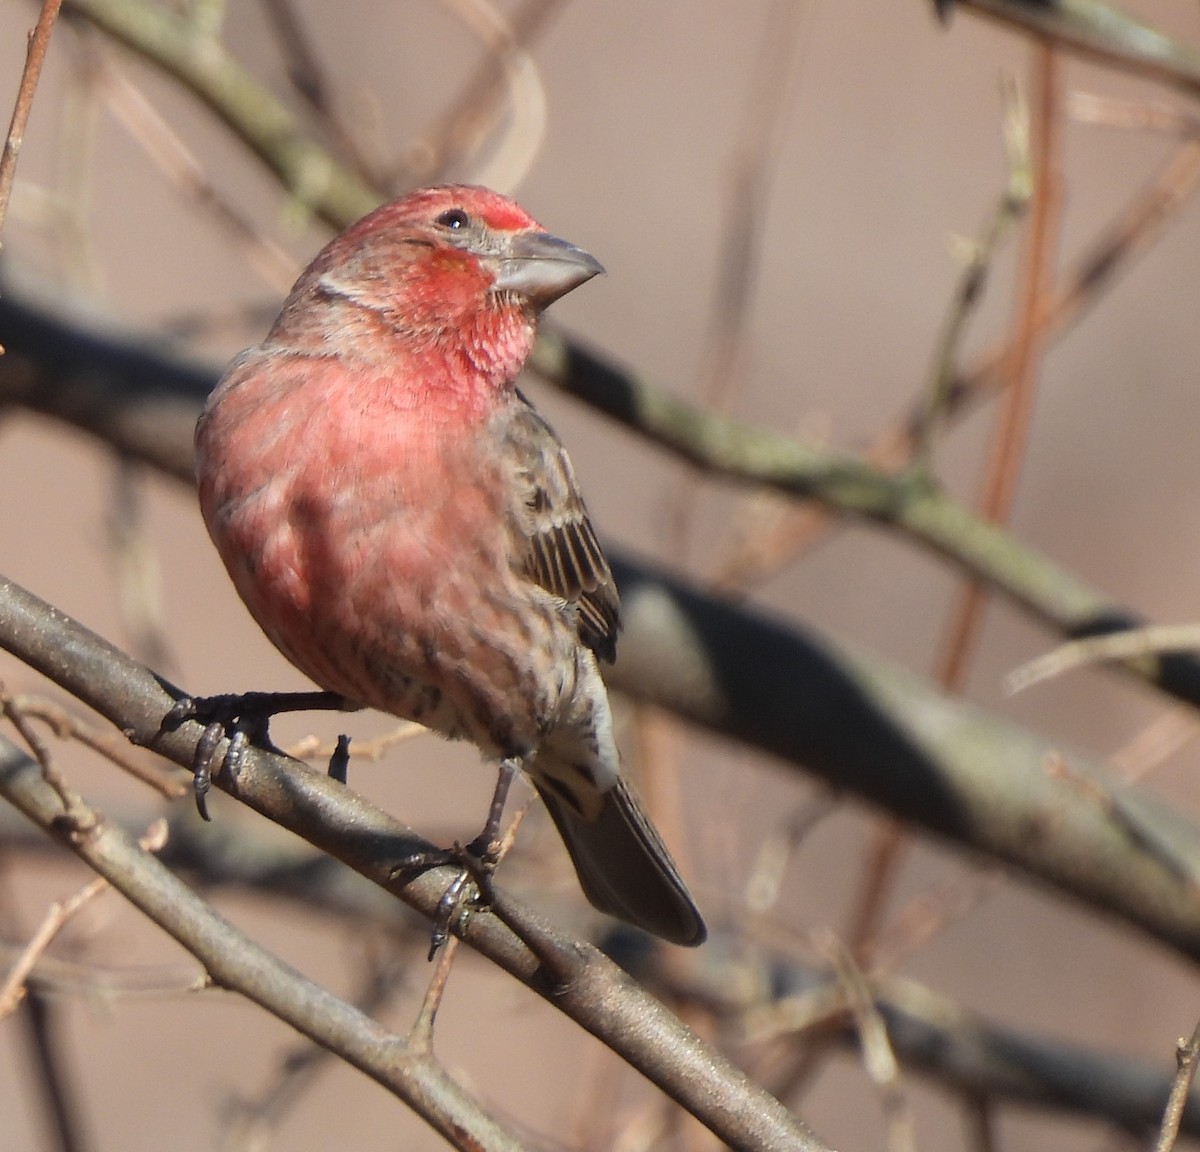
(624, 867)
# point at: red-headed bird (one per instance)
(408, 530)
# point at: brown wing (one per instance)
(559, 547)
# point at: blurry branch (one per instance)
(144, 402)
(1010, 433)
(198, 60)
(864, 726)
(965, 1052)
(1132, 645)
(744, 228)
(52, 1067)
(574, 978)
(134, 394)
(887, 736)
(908, 503)
(253, 1121)
(236, 962)
(179, 166)
(311, 83)
(458, 133)
(1139, 225)
(1101, 32)
(526, 105)
(978, 264)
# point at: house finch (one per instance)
(408, 530)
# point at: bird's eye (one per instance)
(455, 219)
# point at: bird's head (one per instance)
(437, 260)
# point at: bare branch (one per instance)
(1101, 32)
(1187, 1054)
(236, 962)
(200, 62)
(582, 983)
(39, 43)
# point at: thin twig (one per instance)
(455, 137)
(1135, 115)
(978, 265)
(137, 574)
(1012, 432)
(779, 845)
(516, 149)
(57, 916)
(1154, 744)
(312, 747)
(420, 1036)
(40, 750)
(52, 1067)
(769, 107)
(35, 56)
(178, 163)
(879, 1060)
(1187, 1053)
(308, 78)
(111, 745)
(1131, 644)
(1131, 233)
(200, 62)
(237, 962)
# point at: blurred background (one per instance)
(848, 148)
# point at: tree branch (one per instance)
(585, 985)
(235, 961)
(191, 55)
(1102, 33)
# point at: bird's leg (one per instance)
(477, 860)
(486, 845)
(245, 720)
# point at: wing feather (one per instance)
(554, 536)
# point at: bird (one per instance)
(409, 531)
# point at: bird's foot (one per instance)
(471, 888)
(244, 720)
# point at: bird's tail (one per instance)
(624, 867)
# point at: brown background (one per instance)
(889, 145)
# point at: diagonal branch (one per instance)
(1101, 32)
(236, 962)
(585, 985)
(257, 117)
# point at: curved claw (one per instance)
(454, 906)
(243, 719)
(203, 761)
(472, 888)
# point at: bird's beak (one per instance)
(540, 267)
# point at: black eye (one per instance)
(454, 219)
